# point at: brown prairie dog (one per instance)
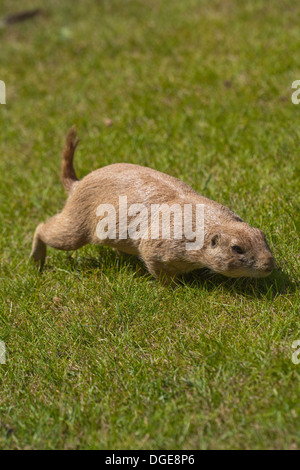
(123, 206)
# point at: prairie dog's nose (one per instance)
(268, 263)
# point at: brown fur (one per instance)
(75, 226)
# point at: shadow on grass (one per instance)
(279, 282)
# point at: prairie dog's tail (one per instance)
(68, 175)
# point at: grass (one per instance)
(99, 355)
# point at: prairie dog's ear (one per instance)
(215, 239)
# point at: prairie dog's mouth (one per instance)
(247, 273)
(260, 272)
(263, 273)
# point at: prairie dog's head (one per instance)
(238, 250)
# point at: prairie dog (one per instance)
(228, 245)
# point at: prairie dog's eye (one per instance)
(237, 249)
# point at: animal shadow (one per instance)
(279, 282)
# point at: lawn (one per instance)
(99, 355)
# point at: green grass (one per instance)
(99, 355)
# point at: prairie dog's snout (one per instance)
(229, 245)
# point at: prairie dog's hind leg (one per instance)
(38, 251)
(59, 232)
